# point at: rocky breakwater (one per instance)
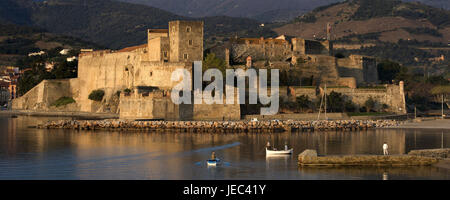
(433, 153)
(219, 126)
(344, 125)
(309, 158)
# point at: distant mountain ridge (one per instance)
(263, 10)
(111, 23)
(373, 20)
(18, 41)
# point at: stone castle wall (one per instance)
(186, 41)
(158, 105)
(156, 74)
(364, 69)
(45, 93)
(109, 72)
(218, 111)
(321, 68)
(303, 46)
(318, 59)
(154, 106)
(258, 49)
(151, 66)
(392, 95)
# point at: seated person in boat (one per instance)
(213, 155)
(268, 145)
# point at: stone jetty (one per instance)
(433, 153)
(309, 158)
(221, 126)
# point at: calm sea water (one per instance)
(28, 153)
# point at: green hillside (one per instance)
(115, 24)
(17, 41)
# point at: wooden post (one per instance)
(442, 106)
(326, 118)
(415, 112)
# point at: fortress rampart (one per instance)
(146, 71)
(391, 95)
(305, 57)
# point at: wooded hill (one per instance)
(114, 24)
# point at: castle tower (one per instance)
(155, 33)
(227, 57)
(186, 41)
(249, 62)
(328, 31)
(158, 44)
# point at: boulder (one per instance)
(307, 154)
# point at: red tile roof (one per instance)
(158, 30)
(128, 49)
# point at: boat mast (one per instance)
(442, 107)
(326, 118)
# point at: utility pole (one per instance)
(326, 118)
(442, 107)
(415, 111)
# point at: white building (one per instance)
(37, 53)
(64, 51)
(71, 59)
(49, 66)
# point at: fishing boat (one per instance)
(278, 152)
(213, 162)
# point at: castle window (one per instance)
(188, 29)
(185, 56)
(151, 73)
(190, 42)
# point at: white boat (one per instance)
(213, 162)
(277, 152)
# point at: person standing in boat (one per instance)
(385, 149)
(285, 146)
(268, 145)
(213, 155)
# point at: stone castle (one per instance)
(137, 80)
(311, 59)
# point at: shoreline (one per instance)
(271, 126)
(426, 124)
(443, 163)
(75, 114)
(420, 123)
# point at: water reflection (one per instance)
(385, 176)
(278, 161)
(376, 173)
(27, 153)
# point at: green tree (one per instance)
(96, 95)
(349, 106)
(369, 104)
(303, 103)
(211, 61)
(388, 71)
(335, 102)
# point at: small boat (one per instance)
(277, 152)
(213, 162)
